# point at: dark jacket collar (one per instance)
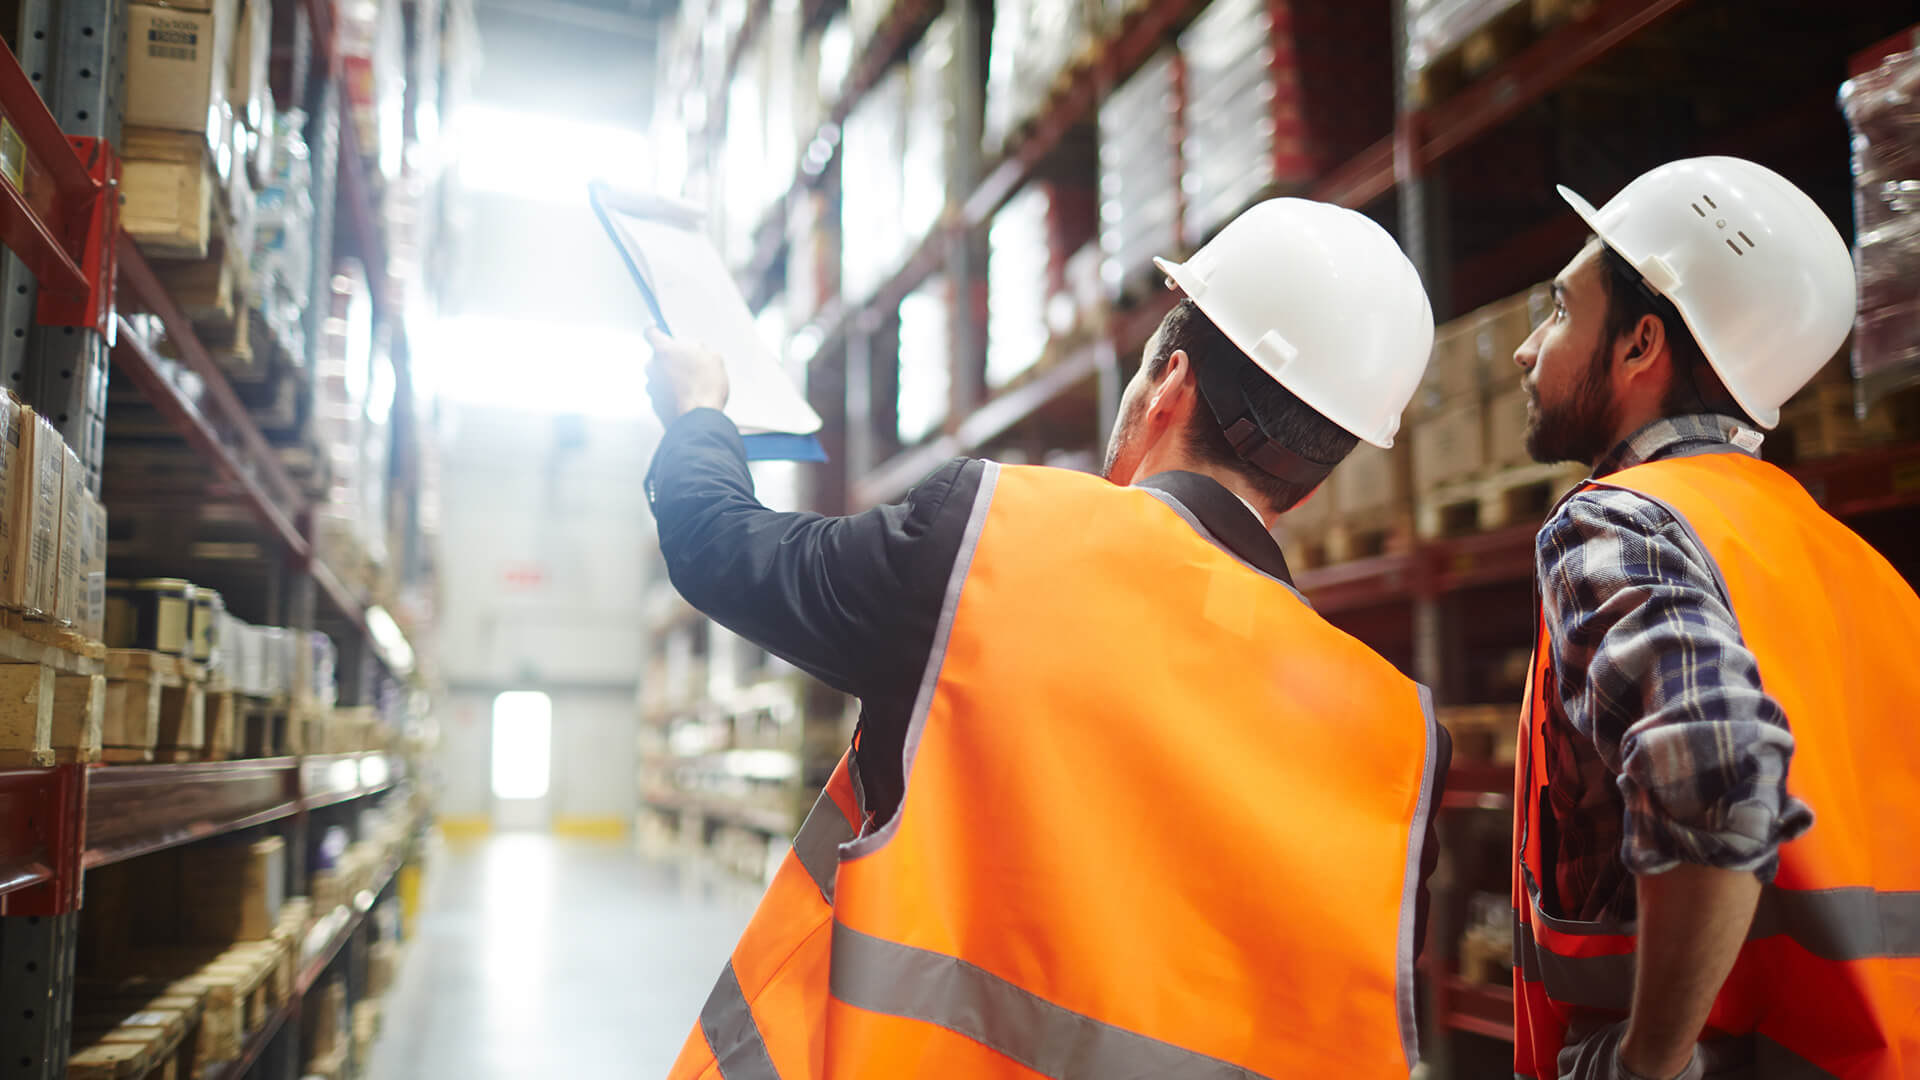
(1220, 513)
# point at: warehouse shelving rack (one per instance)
(1425, 177)
(58, 219)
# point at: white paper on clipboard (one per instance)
(692, 297)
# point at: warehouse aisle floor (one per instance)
(538, 956)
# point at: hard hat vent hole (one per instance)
(1748, 239)
(1697, 210)
(1710, 201)
(1735, 247)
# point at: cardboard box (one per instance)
(177, 65)
(14, 446)
(247, 68)
(1312, 513)
(1473, 354)
(93, 614)
(70, 575)
(1450, 446)
(35, 550)
(167, 187)
(1500, 328)
(1507, 430)
(232, 892)
(1372, 481)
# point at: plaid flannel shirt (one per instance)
(1663, 748)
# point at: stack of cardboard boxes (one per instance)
(1462, 436)
(1469, 416)
(52, 529)
(198, 120)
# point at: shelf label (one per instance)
(13, 155)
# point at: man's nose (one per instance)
(1528, 354)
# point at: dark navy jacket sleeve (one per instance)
(852, 601)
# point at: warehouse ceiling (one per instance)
(633, 18)
(564, 95)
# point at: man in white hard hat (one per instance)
(1715, 872)
(1119, 803)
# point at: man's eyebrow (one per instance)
(1559, 290)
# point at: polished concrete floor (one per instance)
(538, 956)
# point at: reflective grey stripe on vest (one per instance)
(898, 980)
(1840, 925)
(1430, 780)
(727, 1022)
(817, 844)
(1851, 923)
(936, 659)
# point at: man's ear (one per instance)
(1648, 340)
(1176, 383)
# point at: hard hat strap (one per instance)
(1223, 397)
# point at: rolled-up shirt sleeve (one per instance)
(1651, 667)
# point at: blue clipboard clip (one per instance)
(766, 446)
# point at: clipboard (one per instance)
(698, 299)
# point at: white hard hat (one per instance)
(1324, 301)
(1760, 275)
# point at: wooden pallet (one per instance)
(155, 708)
(270, 727)
(329, 1066)
(366, 1028)
(1508, 497)
(51, 694)
(1346, 538)
(240, 986)
(138, 1036)
(1486, 958)
(150, 1024)
(1482, 732)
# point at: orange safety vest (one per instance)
(1160, 820)
(1828, 982)
(766, 1017)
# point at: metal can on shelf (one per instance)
(118, 629)
(208, 608)
(154, 614)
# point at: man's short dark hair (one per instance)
(1285, 418)
(1695, 387)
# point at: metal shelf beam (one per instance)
(136, 810)
(1426, 136)
(247, 465)
(42, 224)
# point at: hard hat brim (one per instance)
(1582, 207)
(1178, 274)
(1764, 417)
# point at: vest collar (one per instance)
(1220, 512)
(1680, 436)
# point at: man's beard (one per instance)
(1122, 430)
(1581, 428)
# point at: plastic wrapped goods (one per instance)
(1229, 152)
(872, 185)
(1437, 27)
(1033, 42)
(929, 118)
(1017, 286)
(282, 253)
(925, 360)
(1883, 109)
(1140, 170)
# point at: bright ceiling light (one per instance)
(543, 157)
(557, 367)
